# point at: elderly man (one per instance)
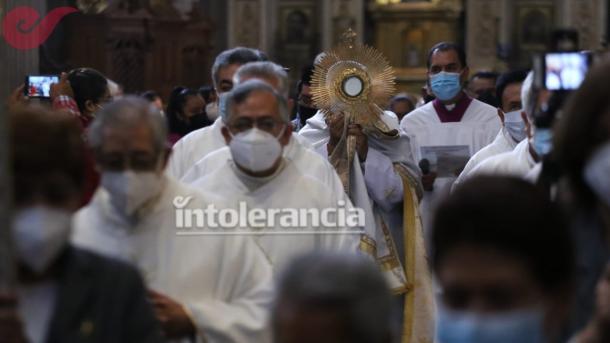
(513, 130)
(62, 293)
(306, 160)
(212, 288)
(194, 146)
(446, 132)
(333, 298)
(256, 174)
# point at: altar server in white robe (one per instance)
(523, 159)
(194, 146)
(256, 175)
(212, 288)
(305, 159)
(508, 89)
(385, 181)
(447, 131)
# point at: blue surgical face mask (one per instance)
(445, 86)
(543, 141)
(523, 326)
(514, 124)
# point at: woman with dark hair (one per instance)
(82, 92)
(581, 148)
(185, 113)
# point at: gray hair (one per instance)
(242, 92)
(527, 96)
(238, 55)
(347, 284)
(263, 70)
(129, 112)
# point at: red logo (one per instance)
(24, 29)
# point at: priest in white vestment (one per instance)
(509, 89)
(447, 131)
(256, 175)
(297, 151)
(194, 146)
(522, 160)
(206, 288)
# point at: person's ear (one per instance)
(285, 138)
(90, 106)
(226, 134)
(465, 75)
(501, 115)
(528, 125)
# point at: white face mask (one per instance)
(514, 124)
(40, 233)
(597, 173)
(130, 190)
(211, 110)
(255, 150)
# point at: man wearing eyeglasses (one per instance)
(447, 131)
(204, 288)
(257, 173)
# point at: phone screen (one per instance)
(39, 86)
(565, 70)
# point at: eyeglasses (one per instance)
(266, 124)
(136, 161)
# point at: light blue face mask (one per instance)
(514, 124)
(543, 141)
(445, 86)
(463, 327)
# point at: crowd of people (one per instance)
(481, 214)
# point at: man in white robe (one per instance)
(447, 131)
(203, 287)
(297, 151)
(513, 128)
(194, 146)
(377, 184)
(255, 174)
(523, 158)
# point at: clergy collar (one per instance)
(454, 115)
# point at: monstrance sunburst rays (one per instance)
(351, 64)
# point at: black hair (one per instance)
(306, 75)
(515, 76)
(448, 46)
(177, 99)
(150, 95)
(206, 93)
(349, 286)
(514, 218)
(484, 75)
(87, 84)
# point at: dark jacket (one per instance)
(100, 300)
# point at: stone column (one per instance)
(338, 16)
(483, 33)
(249, 23)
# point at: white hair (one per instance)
(129, 112)
(242, 92)
(263, 70)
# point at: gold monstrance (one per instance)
(356, 81)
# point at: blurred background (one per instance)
(156, 44)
